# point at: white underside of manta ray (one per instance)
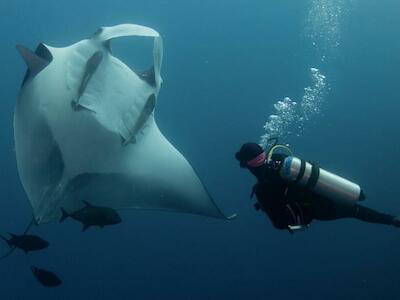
(85, 130)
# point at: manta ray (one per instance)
(85, 129)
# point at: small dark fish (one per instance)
(141, 121)
(91, 215)
(26, 242)
(46, 278)
(13, 247)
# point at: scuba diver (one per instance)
(293, 192)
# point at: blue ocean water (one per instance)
(226, 63)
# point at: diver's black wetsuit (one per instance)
(286, 204)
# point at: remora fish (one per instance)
(90, 68)
(46, 278)
(91, 215)
(147, 110)
(26, 242)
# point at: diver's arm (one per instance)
(272, 198)
(279, 213)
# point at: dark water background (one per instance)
(226, 63)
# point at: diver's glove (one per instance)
(396, 221)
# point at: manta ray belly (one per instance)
(70, 119)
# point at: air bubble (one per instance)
(290, 117)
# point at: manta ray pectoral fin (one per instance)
(35, 61)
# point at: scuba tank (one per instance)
(311, 177)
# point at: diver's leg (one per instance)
(326, 209)
(372, 216)
(326, 213)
